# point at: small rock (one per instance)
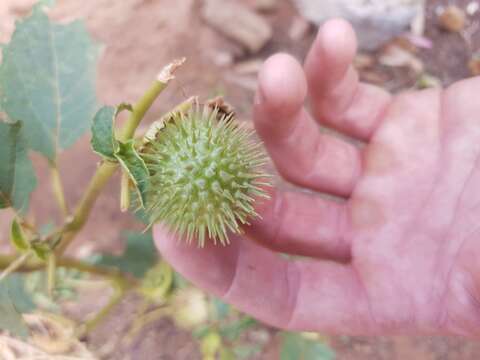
(237, 22)
(246, 82)
(452, 19)
(395, 56)
(472, 8)
(264, 5)
(404, 43)
(376, 21)
(474, 65)
(373, 77)
(363, 61)
(248, 67)
(299, 28)
(222, 58)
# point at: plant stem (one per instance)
(124, 192)
(119, 287)
(99, 180)
(143, 319)
(14, 264)
(140, 109)
(107, 169)
(34, 264)
(57, 188)
(51, 274)
(82, 212)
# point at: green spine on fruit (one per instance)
(205, 174)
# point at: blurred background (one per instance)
(404, 44)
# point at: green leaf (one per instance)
(139, 256)
(41, 250)
(227, 354)
(10, 318)
(65, 288)
(14, 301)
(246, 351)
(179, 282)
(103, 138)
(138, 211)
(17, 290)
(232, 331)
(296, 347)
(47, 80)
(200, 331)
(17, 237)
(135, 167)
(17, 178)
(221, 309)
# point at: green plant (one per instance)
(47, 102)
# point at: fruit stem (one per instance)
(57, 188)
(107, 168)
(139, 109)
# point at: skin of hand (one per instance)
(400, 254)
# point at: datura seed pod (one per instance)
(205, 174)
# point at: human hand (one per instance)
(400, 254)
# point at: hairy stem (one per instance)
(58, 191)
(14, 264)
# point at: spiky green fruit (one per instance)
(205, 173)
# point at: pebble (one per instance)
(376, 21)
(239, 23)
(452, 19)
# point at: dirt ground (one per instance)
(139, 37)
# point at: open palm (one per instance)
(400, 253)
